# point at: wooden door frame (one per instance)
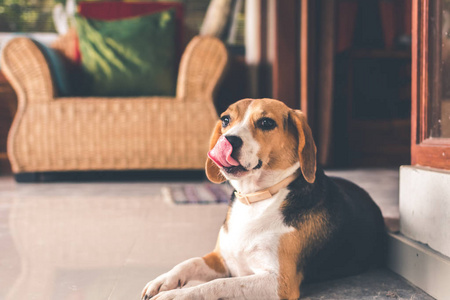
(286, 55)
(294, 40)
(431, 152)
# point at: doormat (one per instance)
(198, 193)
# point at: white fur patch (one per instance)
(261, 179)
(250, 245)
(248, 154)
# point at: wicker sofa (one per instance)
(51, 133)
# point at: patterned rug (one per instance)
(198, 193)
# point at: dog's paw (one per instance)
(165, 282)
(178, 294)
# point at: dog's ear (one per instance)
(306, 146)
(212, 170)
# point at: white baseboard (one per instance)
(422, 266)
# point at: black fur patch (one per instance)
(354, 239)
(302, 198)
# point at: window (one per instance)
(26, 15)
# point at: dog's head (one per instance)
(255, 136)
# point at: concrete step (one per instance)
(375, 284)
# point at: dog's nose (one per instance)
(235, 141)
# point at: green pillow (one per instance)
(128, 57)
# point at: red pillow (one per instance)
(107, 11)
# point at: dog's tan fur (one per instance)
(211, 169)
(306, 146)
(215, 261)
(279, 151)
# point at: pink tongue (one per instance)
(221, 153)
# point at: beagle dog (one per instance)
(287, 221)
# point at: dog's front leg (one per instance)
(260, 286)
(205, 268)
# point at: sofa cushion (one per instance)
(128, 57)
(115, 10)
(58, 70)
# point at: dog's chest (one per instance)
(250, 243)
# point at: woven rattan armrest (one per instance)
(25, 66)
(201, 68)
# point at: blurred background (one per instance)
(346, 63)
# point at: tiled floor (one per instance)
(96, 241)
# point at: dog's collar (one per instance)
(266, 193)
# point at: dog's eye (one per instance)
(266, 124)
(225, 121)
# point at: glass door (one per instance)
(431, 83)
